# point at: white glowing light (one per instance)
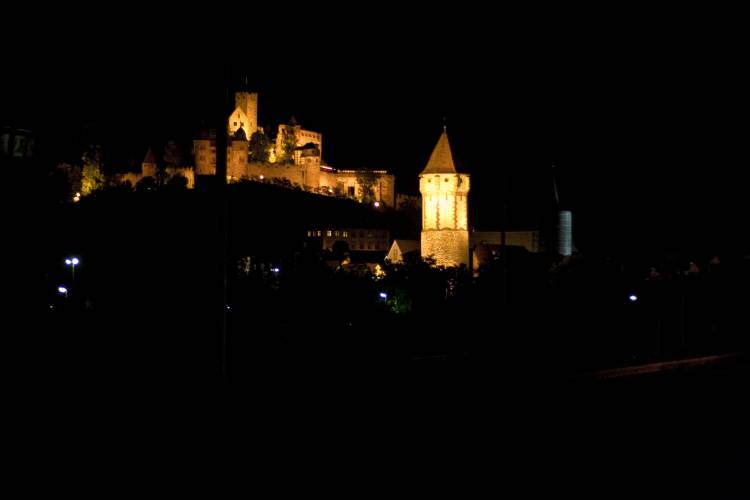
(633, 298)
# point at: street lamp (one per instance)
(63, 291)
(72, 262)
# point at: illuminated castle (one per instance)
(445, 196)
(305, 169)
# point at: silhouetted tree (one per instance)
(289, 142)
(259, 147)
(366, 180)
(92, 177)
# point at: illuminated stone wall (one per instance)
(448, 247)
(205, 156)
(329, 180)
(384, 186)
(444, 201)
(237, 159)
(445, 233)
(133, 177)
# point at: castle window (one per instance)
(446, 179)
(346, 234)
(309, 233)
(336, 234)
(329, 233)
(235, 124)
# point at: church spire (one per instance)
(441, 159)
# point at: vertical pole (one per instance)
(503, 237)
(221, 205)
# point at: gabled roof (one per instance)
(406, 246)
(441, 159)
(399, 248)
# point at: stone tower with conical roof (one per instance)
(445, 199)
(148, 166)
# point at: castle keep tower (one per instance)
(245, 114)
(445, 196)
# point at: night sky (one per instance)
(645, 123)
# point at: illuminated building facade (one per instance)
(358, 239)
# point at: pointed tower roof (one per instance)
(441, 159)
(150, 158)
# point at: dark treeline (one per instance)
(146, 304)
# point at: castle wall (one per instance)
(146, 171)
(205, 156)
(269, 171)
(237, 160)
(384, 186)
(329, 180)
(448, 247)
(187, 172)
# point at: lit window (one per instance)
(337, 234)
(346, 234)
(329, 233)
(309, 233)
(319, 233)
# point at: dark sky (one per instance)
(645, 121)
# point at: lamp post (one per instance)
(72, 262)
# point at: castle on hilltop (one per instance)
(293, 159)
